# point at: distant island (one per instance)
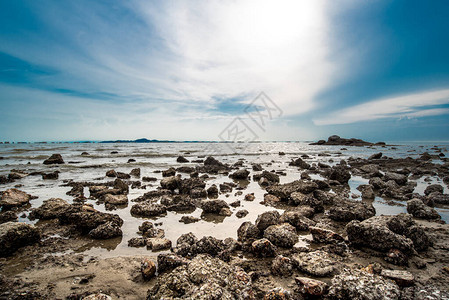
(339, 141)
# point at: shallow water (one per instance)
(161, 156)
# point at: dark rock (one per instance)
(213, 206)
(158, 244)
(85, 218)
(135, 172)
(50, 209)
(116, 199)
(438, 198)
(131, 160)
(349, 210)
(178, 203)
(225, 212)
(338, 173)
(188, 219)
(283, 235)
(236, 203)
(182, 159)
(312, 287)
(419, 210)
(146, 209)
(376, 156)
(321, 235)
(241, 213)
(14, 198)
(111, 173)
(169, 172)
(396, 257)
(263, 248)
(50, 176)
(54, 159)
(147, 268)
(247, 232)
(298, 198)
(137, 242)
(338, 141)
(282, 266)
(257, 167)
(225, 188)
(398, 178)
(122, 175)
(121, 186)
(212, 191)
(297, 219)
(267, 219)
(14, 235)
(209, 245)
(171, 183)
(106, 231)
(367, 191)
(166, 262)
(189, 184)
(149, 179)
(433, 188)
(7, 216)
(299, 163)
(240, 174)
(283, 191)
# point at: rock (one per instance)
(376, 156)
(267, 219)
(225, 212)
(14, 235)
(209, 245)
(296, 218)
(111, 173)
(257, 167)
(250, 197)
(149, 179)
(338, 173)
(402, 278)
(158, 244)
(367, 191)
(147, 229)
(212, 190)
(263, 248)
(147, 268)
(247, 232)
(298, 198)
(270, 176)
(374, 233)
(146, 209)
(97, 296)
(116, 199)
(213, 206)
(168, 173)
(14, 198)
(50, 209)
(419, 210)
(310, 286)
(131, 160)
(135, 172)
(398, 178)
(433, 188)
(121, 186)
(299, 163)
(377, 183)
(241, 213)
(354, 284)
(317, 263)
(349, 210)
(282, 266)
(283, 191)
(270, 199)
(171, 183)
(283, 235)
(182, 159)
(166, 262)
(438, 198)
(240, 174)
(106, 231)
(137, 242)
(54, 159)
(321, 235)
(198, 193)
(50, 176)
(370, 168)
(188, 219)
(278, 293)
(396, 257)
(178, 203)
(236, 203)
(7, 216)
(225, 188)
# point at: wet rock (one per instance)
(225, 188)
(418, 209)
(147, 229)
(106, 231)
(189, 184)
(247, 232)
(267, 219)
(178, 203)
(147, 209)
(298, 198)
(50, 209)
(197, 193)
(225, 212)
(438, 198)
(299, 163)
(398, 178)
(211, 161)
(188, 219)
(339, 141)
(354, 284)
(283, 191)
(321, 235)
(50, 176)
(116, 199)
(240, 174)
(396, 257)
(185, 169)
(54, 159)
(374, 233)
(370, 168)
(270, 199)
(297, 219)
(212, 191)
(250, 197)
(235, 203)
(338, 173)
(263, 248)
(166, 262)
(14, 198)
(213, 206)
(376, 156)
(402, 278)
(317, 263)
(283, 235)
(111, 173)
(433, 188)
(171, 183)
(209, 245)
(135, 172)
(182, 159)
(367, 191)
(310, 286)
(14, 235)
(158, 244)
(149, 179)
(241, 213)
(377, 183)
(168, 173)
(137, 242)
(257, 167)
(121, 186)
(131, 160)
(282, 266)
(147, 268)
(7, 216)
(348, 210)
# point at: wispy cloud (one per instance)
(411, 105)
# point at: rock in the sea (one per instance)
(267, 219)
(312, 287)
(14, 198)
(147, 268)
(14, 235)
(212, 191)
(263, 248)
(283, 191)
(433, 188)
(321, 235)
(116, 199)
(283, 235)
(240, 174)
(438, 198)
(282, 266)
(299, 163)
(7, 216)
(146, 209)
(106, 231)
(349, 210)
(49, 176)
(367, 191)
(418, 209)
(296, 218)
(182, 159)
(398, 178)
(213, 206)
(338, 173)
(50, 209)
(111, 173)
(376, 156)
(158, 244)
(209, 245)
(137, 242)
(241, 213)
(188, 219)
(317, 263)
(355, 284)
(54, 159)
(135, 172)
(247, 232)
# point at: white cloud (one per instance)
(410, 105)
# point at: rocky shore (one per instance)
(315, 239)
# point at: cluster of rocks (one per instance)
(338, 141)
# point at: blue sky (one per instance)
(183, 70)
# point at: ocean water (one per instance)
(151, 157)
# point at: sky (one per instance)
(224, 70)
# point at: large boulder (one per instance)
(434, 188)
(267, 219)
(419, 210)
(213, 206)
(398, 178)
(50, 209)
(171, 183)
(240, 174)
(283, 191)
(247, 232)
(14, 198)
(349, 210)
(85, 218)
(318, 263)
(107, 230)
(283, 235)
(148, 209)
(54, 159)
(14, 235)
(338, 173)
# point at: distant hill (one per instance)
(143, 140)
